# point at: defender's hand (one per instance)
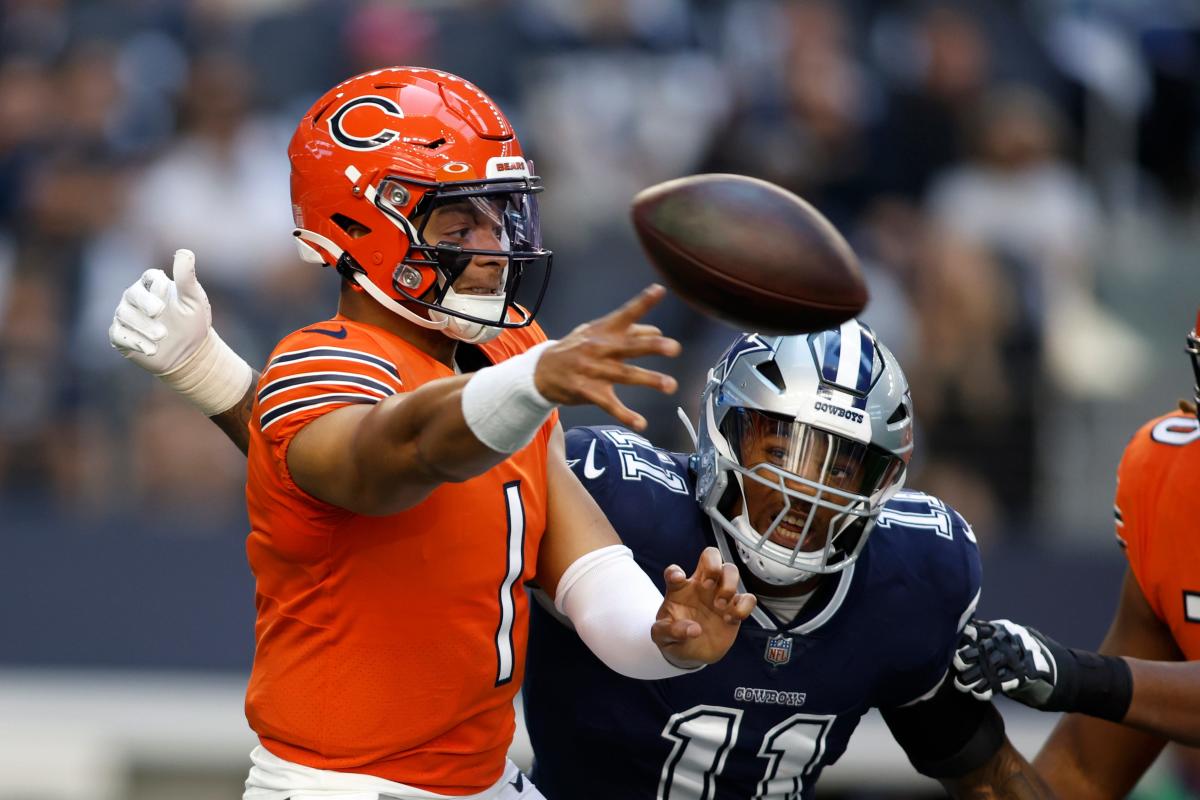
(1003, 657)
(160, 323)
(700, 615)
(585, 366)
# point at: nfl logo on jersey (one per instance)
(779, 650)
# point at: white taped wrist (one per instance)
(613, 605)
(213, 379)
(502, 405)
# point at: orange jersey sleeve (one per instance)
(1157, 511)
(390, 646)
(316, 370)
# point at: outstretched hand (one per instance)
(586, 365)
(700, 615)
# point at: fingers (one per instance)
(157, 282)
(149, 293)
(635, 309)
(727, 587)
(184, 272)
(742, 606)
(716, 584)
(674, 577)
(667, 632)
(606, 400)
(708, 568)
(139, 322)
(631, 375)
(641, 329)
(974, 685)
(127, 341)
(637, 346)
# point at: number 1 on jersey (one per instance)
(516, 565)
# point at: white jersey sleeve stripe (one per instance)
(350, 379)
(286, 409)
(334, 353)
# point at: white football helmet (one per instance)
(802, 440)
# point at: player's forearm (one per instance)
(411, 443)
(1006, 776)
(1090, 759)
(234, 421)
(1166, 699)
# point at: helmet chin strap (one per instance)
(381, 297)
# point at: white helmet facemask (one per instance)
(802, 499)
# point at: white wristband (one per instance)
(214, 378)
(502, 405)
(613, 605)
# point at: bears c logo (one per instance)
(363, 123)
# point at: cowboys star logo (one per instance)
(749, 343)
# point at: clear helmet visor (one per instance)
(507, 210)
(806, 494)
(495, 226)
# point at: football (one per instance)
(749, 253)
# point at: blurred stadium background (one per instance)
(1019, 178)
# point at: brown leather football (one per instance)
(749, 253)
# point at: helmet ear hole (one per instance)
(351, 226)
(770, 370)
(899, 415)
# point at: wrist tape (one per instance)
(1099, 686)
(502, 405)
(213, 379)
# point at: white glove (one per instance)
(165, 327)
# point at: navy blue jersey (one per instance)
(765, 720)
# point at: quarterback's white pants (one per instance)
(274, 778)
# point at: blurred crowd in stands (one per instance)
(1016, 177)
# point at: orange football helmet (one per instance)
(379, 152)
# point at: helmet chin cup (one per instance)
(769, 571)
(480, 306)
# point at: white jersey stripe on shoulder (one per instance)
(350, 379)
(287, 409)
(336, 354)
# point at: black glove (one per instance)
(1031, 668)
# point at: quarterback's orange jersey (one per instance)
(1158, 521)
(390, 646)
